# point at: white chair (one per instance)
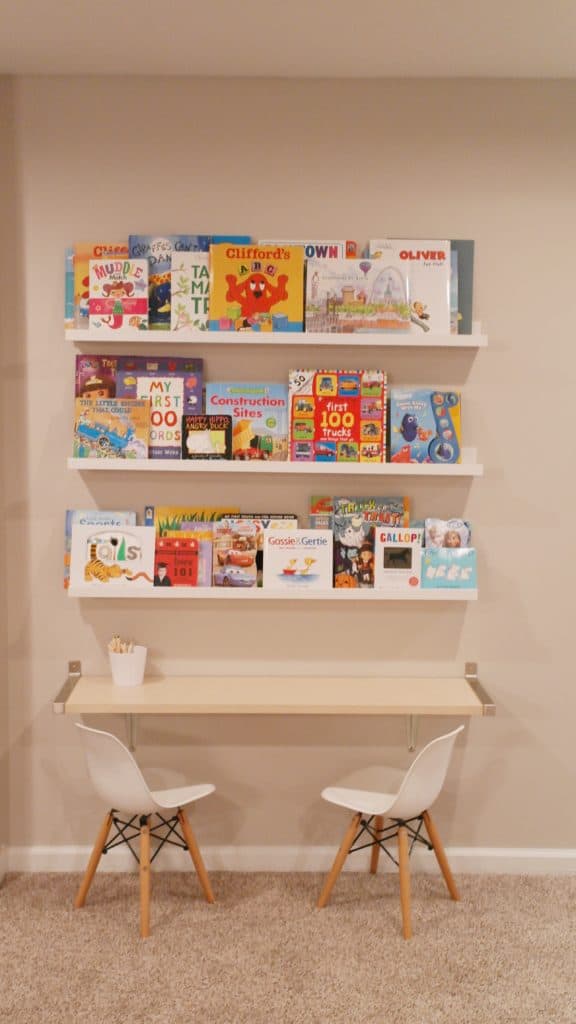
(407, 807)
(119, 781)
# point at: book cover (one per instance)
(320, 512)
(118, 294)
(130, 370)
(207, 437)
(337, 415)
(168, 518)
(259, 412)
(447, 533)
(314, 250)
(173, 387)
(111, 428)
(297, 560)
(95, 377)
(356, 296)
(184, 557)
(464, 249)
(393, 511)
(268, 521)
(83, 252)
(256, 288)
(449, 567)
(190, 292)
(234, 553)
(91, 517)
(427, 266)
(397, 558)
(157, 251)
(353, 538)
(425, 426)
(112, 557)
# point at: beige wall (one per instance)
(494, 161)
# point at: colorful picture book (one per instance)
(268, 521)
(157, 251)
(425, 426)
(172, 385)
(375, 509)
(185, 559)
(449, 567)
(323, 250)
(83, 252)
(112, 557)
(118, 297)
(167, 518)
(397, 558)
(297, 560)
(321, 510)
(235, 542)
(337, 415)
(190, 292)
(111, 428)
(95, 376)
(351, 296)
(256, 287)
(207, 437)
(427, 265)
(353, 551)
(447, 533)
(259, 414)
(91, 517)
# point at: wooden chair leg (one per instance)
(378, 826)
(441, 856)
(196, 856)
(94, 861)
(404, 865)
(339, 860)
(145, 877)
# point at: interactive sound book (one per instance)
(425, 426)
(337, 415)
(397, 557)
(256, 287)
(356, 296)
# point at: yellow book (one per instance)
(256, 287)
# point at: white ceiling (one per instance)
(291, 38)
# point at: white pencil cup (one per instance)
(128, 669)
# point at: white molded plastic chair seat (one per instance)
(119, 782)
(404, 799)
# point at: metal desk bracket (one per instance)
(74, 673)
(471, 676)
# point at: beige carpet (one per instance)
(262, 954)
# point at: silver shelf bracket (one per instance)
(471, 676)
(74, 673)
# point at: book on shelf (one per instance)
(449, 567)
(95, 376)
(207, 437)
(462, 291)
(91, 517)
(391, 511)
(320, 512)
(83, 252)
(256, 288)
(114, 557)
(425, 426)
(190, 293)
(397, 558)
(168, 518)
(259, 412)
(268, 521)
(234, 547)
(426, 264)
(297, 560)
(337, 415)
(111, 428)
(157, 251)
(356, 296)
(353, 538)
(447, 533)
(172, 386)
(318, 250)
(118, 298)
(185, 558)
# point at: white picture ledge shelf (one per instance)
(358, 340)
(120, 592)
(468, 467)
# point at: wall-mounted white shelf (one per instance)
(468, 467)
(252, 594)
(358, 340)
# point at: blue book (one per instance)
(449, 567)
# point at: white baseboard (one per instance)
(463, 860)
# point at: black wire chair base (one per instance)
(379, 837)
(163, 832)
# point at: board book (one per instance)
(83, 252)
(356, 296)
(397, 558)
(184, 559)
(256, 288)
(425, 426)
(118, 298)
(207, 437)
(190, 292)
(297, 560)
(95, 376)
(234, 553)
(259, 412)
(337, 415)
(172, 386)
(111, 428)
(427, 265)
(91, 517)
(112, 557)
(449, 567)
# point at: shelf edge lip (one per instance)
(295, 338)
(224, 594)
(461, 469)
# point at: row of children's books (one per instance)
(190, 283)
(349, 543)
(158, 407)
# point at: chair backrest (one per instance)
(425, 777)
(114, 773)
